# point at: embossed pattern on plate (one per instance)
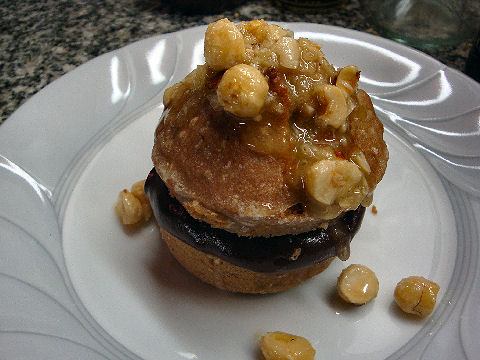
(432, 109)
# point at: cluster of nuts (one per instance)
(133, 207)
(357, 284)
(244, 52)
(246, 49)
(337, 98)
(243, 88)
(416, 295)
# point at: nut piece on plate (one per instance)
(133, 207)
(416, 295)
(282, 346)
(357, 284)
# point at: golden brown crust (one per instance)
(227, 276)
(221, 181)
(367, 134)
(203, 162)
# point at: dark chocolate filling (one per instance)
(261, 254)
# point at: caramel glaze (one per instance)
(261, 254)
(278, 134)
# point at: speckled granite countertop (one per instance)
(42, 40)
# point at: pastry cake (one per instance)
(264, 160)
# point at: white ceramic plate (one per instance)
(74, 284)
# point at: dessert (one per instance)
(264, 160)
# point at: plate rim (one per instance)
(18, 113)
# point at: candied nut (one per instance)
(275, 32)
(336, 109)
(258, 29)
(194, 80)
(138, 191)
(128, 208)
(133, 207)
(242, 90)
(288, 52)
(316, 152)
(347, 79)
(282, 346)
(358, 158)
(171, 93)
(357, 284)
(326, 180)
(352, 198)
(416, 295)
(224, 45)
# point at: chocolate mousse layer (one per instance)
(261, 254)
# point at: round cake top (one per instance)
(268, 138)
